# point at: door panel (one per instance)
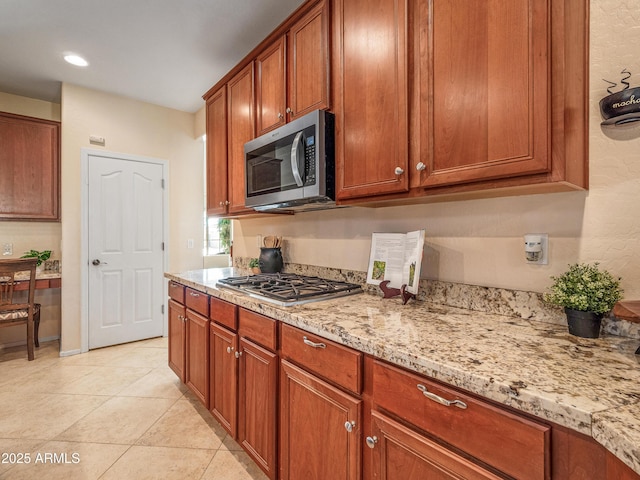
(125, 250)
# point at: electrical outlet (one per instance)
(190, 243)
(7, 249)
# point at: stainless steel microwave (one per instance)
(292, 167)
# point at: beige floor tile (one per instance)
(228, 465)
(158, 383)
(43, 416)
(16, 450)
(159, 342)
(185, 425)
(162, 463)
(52, 379)
(118, 420)
(142, 357)
(105, 381)
(68, 461)
(98, 357)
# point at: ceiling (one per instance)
(165, 52)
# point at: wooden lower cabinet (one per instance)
(197, 354)
(257, 405)
(320, 434)
(399, 453)
(177, 333)
(223, 377)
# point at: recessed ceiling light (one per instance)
(76, 60)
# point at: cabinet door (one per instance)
(270, 87)
(402, 454)
(240, 129)
(30, 168)
(487, 79)
(223, 380)
(257, 400)
(197, 354)
(314, 441)
(217, 193)
(308, 63)
(177, 338)
(371, 91)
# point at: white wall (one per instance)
(480, 241)
(137, 128)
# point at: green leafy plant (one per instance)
(41, 256)
(224, 226)
(585, 287)
(254, 263)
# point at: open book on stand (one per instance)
(396, 257)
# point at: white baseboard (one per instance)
(68, 353)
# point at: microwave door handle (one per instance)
(294, 158)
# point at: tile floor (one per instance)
(113, 413)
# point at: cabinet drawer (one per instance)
(328, 359)
(258, 328)
(176, 291)
(197, 301)
(224, 313)
(513, 444)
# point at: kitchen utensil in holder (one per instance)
(390, 292)
(270, 260)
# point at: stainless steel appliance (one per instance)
(287, 289)
(293, 166)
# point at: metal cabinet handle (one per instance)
(349, 426)
(229, 349)
(227, 202)
(439, 399)
(280, 116)
(289, 110)
(194, 294)
(371, 441)
(238, 354)
(421, 166)
(399, 171)
(313, 344)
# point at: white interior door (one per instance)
(125, 247)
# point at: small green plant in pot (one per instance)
(41, 256)
(586, 293)
(254, 265)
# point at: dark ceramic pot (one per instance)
(270, 260)
(583, 324)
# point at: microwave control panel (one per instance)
(310, 160)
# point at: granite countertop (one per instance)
(589, 385)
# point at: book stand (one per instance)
(390, 292)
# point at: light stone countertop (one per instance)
(589, 385)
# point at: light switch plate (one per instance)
(7, 249)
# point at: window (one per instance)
(217, 233)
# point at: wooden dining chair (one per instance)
(14, 310)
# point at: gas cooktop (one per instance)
(289, 289)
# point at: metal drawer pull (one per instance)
(194, 294)
(349, 426)
(313, 344)
(439, 399)
(371, 441)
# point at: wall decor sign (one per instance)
(621, 107)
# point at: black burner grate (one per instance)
(290, 288)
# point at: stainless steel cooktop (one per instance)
(287, 289)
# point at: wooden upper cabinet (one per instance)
(270, 87)
(240, 129)
(292, 73)
(484, 89)
(371, 97)
(29, 168)
(217, 152)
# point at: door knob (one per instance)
(421, 166)
(98, 262)
(399, 171)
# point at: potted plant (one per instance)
(586, 293)
(41, 256)
(254, 265)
